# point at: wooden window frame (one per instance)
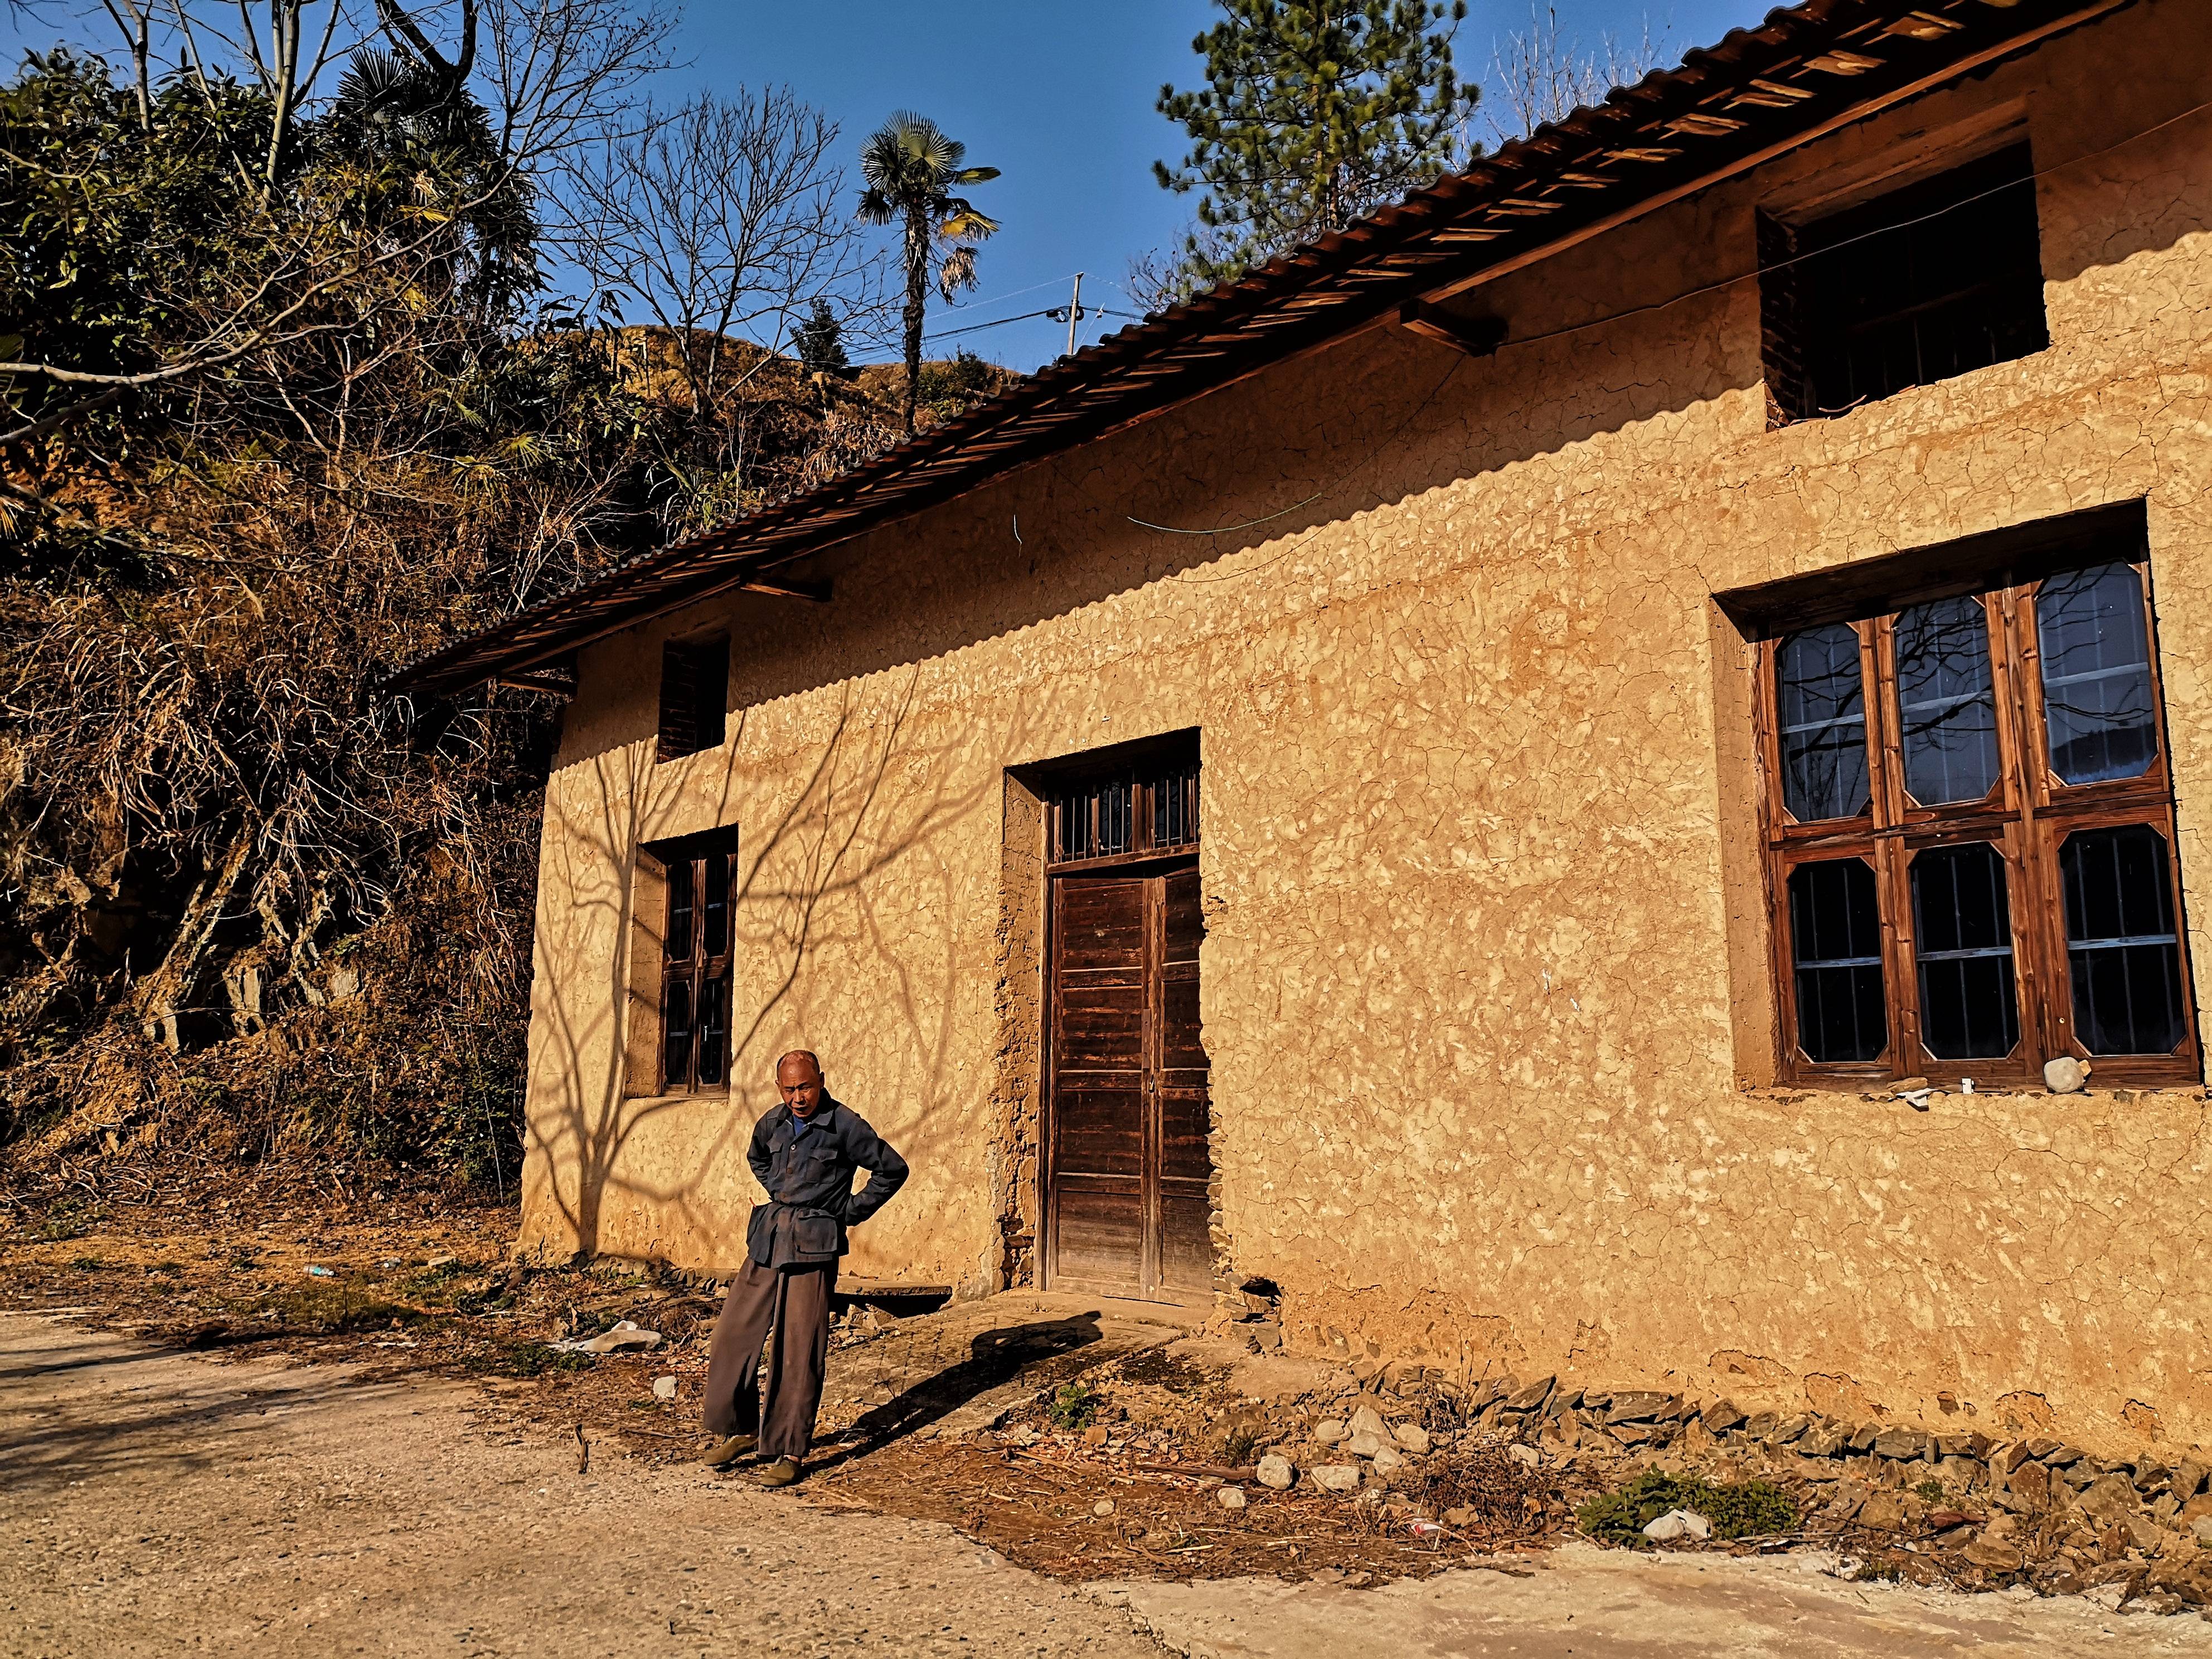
(694, 702)
(2027, 816)
(698, 967)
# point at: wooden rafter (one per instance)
(1759, 92)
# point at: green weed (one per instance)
(1744, 1509)
(1073, 1408)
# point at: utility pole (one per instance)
(1074, 312)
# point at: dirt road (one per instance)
(157, 1504)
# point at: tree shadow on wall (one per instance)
(810, 882)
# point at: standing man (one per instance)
(803, 1153)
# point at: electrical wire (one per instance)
(1662, 304)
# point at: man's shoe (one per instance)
(781, 1472)
(729, 1452)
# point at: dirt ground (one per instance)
(355, 1432)
(164, 1504)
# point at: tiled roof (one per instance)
(1807, 68)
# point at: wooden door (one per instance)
(1130, 1164)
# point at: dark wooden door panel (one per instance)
(1185, 1242)
(1129, 1164)
(1102, 924)
(1098, 1130)
(1097, 1230)
(1185, 1154)
(1185, 921)
(1102, 1027)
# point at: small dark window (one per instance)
(694, 684)
(2121, 943)
(1938, 279)
(1962, 928)
(1836, 933)
(696, 963)
(1145, 809)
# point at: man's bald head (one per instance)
(798, 1079)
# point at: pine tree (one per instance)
(822, 343)
(1313, 114)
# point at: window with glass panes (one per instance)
(1971, 837)
(694, 967)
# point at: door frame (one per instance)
(1134, 865)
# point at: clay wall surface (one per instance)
(1484, 983)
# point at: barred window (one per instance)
(1934, 280)
(1971, 836)
(1141, 809)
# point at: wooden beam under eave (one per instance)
(1478, 337)
(788, 587)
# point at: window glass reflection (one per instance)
(1945, 702)
(2122, 947)
(1962, 943)
(676, 1034)
(1823, 710)
(678, 947)
(714, 1031)
(715, 905)
(1835, 935)
(2096, 674)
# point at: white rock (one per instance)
(1388, 1459)
(1336, 1477)
(1230, 1498)
(1329, 1430)
(1276, 1472)
(664, 1388)
(2064, 1075)
(1527, 1455)
(1102, 1508)
(1677, 1523)
(1364, 1445)
(1411, 1436)
(1368, 1421)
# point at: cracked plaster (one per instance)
(1484, 983)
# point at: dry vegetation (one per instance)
(288, 406)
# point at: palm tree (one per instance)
(912, 167)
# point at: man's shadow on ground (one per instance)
(995, 1357)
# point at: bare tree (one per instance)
(718, 221)
(561, 74)
(1540, 74)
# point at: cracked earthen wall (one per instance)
(1484, 983)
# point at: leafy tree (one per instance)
(822, 343)
(912, 168)
(1314, 113)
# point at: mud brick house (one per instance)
(1459, 773)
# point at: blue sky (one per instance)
(1056, 94)
(1060, 97)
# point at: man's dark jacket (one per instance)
(808, 1173)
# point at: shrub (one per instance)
(1743, 1509)
(1073, 1408)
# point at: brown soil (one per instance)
(419, 1287)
